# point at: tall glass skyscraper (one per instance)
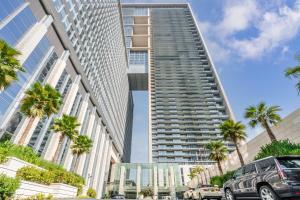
(77, 47)
(95, 53)
(168, 57)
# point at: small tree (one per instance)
(195, 171)
(91, 193)
(218, 152)
(234, 131)
(265, 116)
(82, 144)
(66, 126)
(9, 65)
(294, 72)
(147, 192)
(39, 101)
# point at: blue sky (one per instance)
(251, 43)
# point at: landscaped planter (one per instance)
(57, 190)
(12, 165)
(27, 188)
(60, 190)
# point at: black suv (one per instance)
(270, 178)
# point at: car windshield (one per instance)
(289, 163)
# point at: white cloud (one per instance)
(275, 28)
(275, 25)
(238, 15)
(218, 52)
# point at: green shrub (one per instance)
(27, 154)
(91, 193)
(83, 197)
(220, 180)
(47, 177)
(278, 148)
(40, 196)
(3, 155)
(295, 152)
(8, 186)
(147, 192)
(53, 174)
(36, 175)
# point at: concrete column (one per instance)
(160, 177)
(12, 15)
(26, 45)
(138, 179)
(103, 165)
(57, 69)
(167, 177)
(32, 38)
(83, 108)
(82, 158)
(67, 106)
(172, 182)
(93, 156)
(155, 190)
(100, 150)
(52, 80)
(19, 132)
(122, 181)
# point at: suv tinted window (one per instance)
(289, 162)
(266, 165)
(249, 169)
(238, 172)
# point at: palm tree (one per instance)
(218, 152)
(265, 116)
(9, 65)
(66, 126)
(294, 72)
(82, 144)
(195, 171)
(39, 101)
(234, 131)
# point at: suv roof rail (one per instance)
(254, 161)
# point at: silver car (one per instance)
(207, 192)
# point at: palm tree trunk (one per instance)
(76, 163)
(220, 168)
(239, 153)
(55, 158)
(270, 132)
(26, 131)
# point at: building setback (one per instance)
(78, 48)
(168, 57)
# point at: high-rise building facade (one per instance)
(95, 53)
(77, 47)
(168, 57)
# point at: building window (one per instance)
(138, 58)
(18, 26)
(141, 11)
(8, 6)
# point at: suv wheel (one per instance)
(266, 193)
(229, 195)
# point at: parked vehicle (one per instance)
(166, 198)
(271, 178)
(207, 192)
(188, 194)
(118, 196)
